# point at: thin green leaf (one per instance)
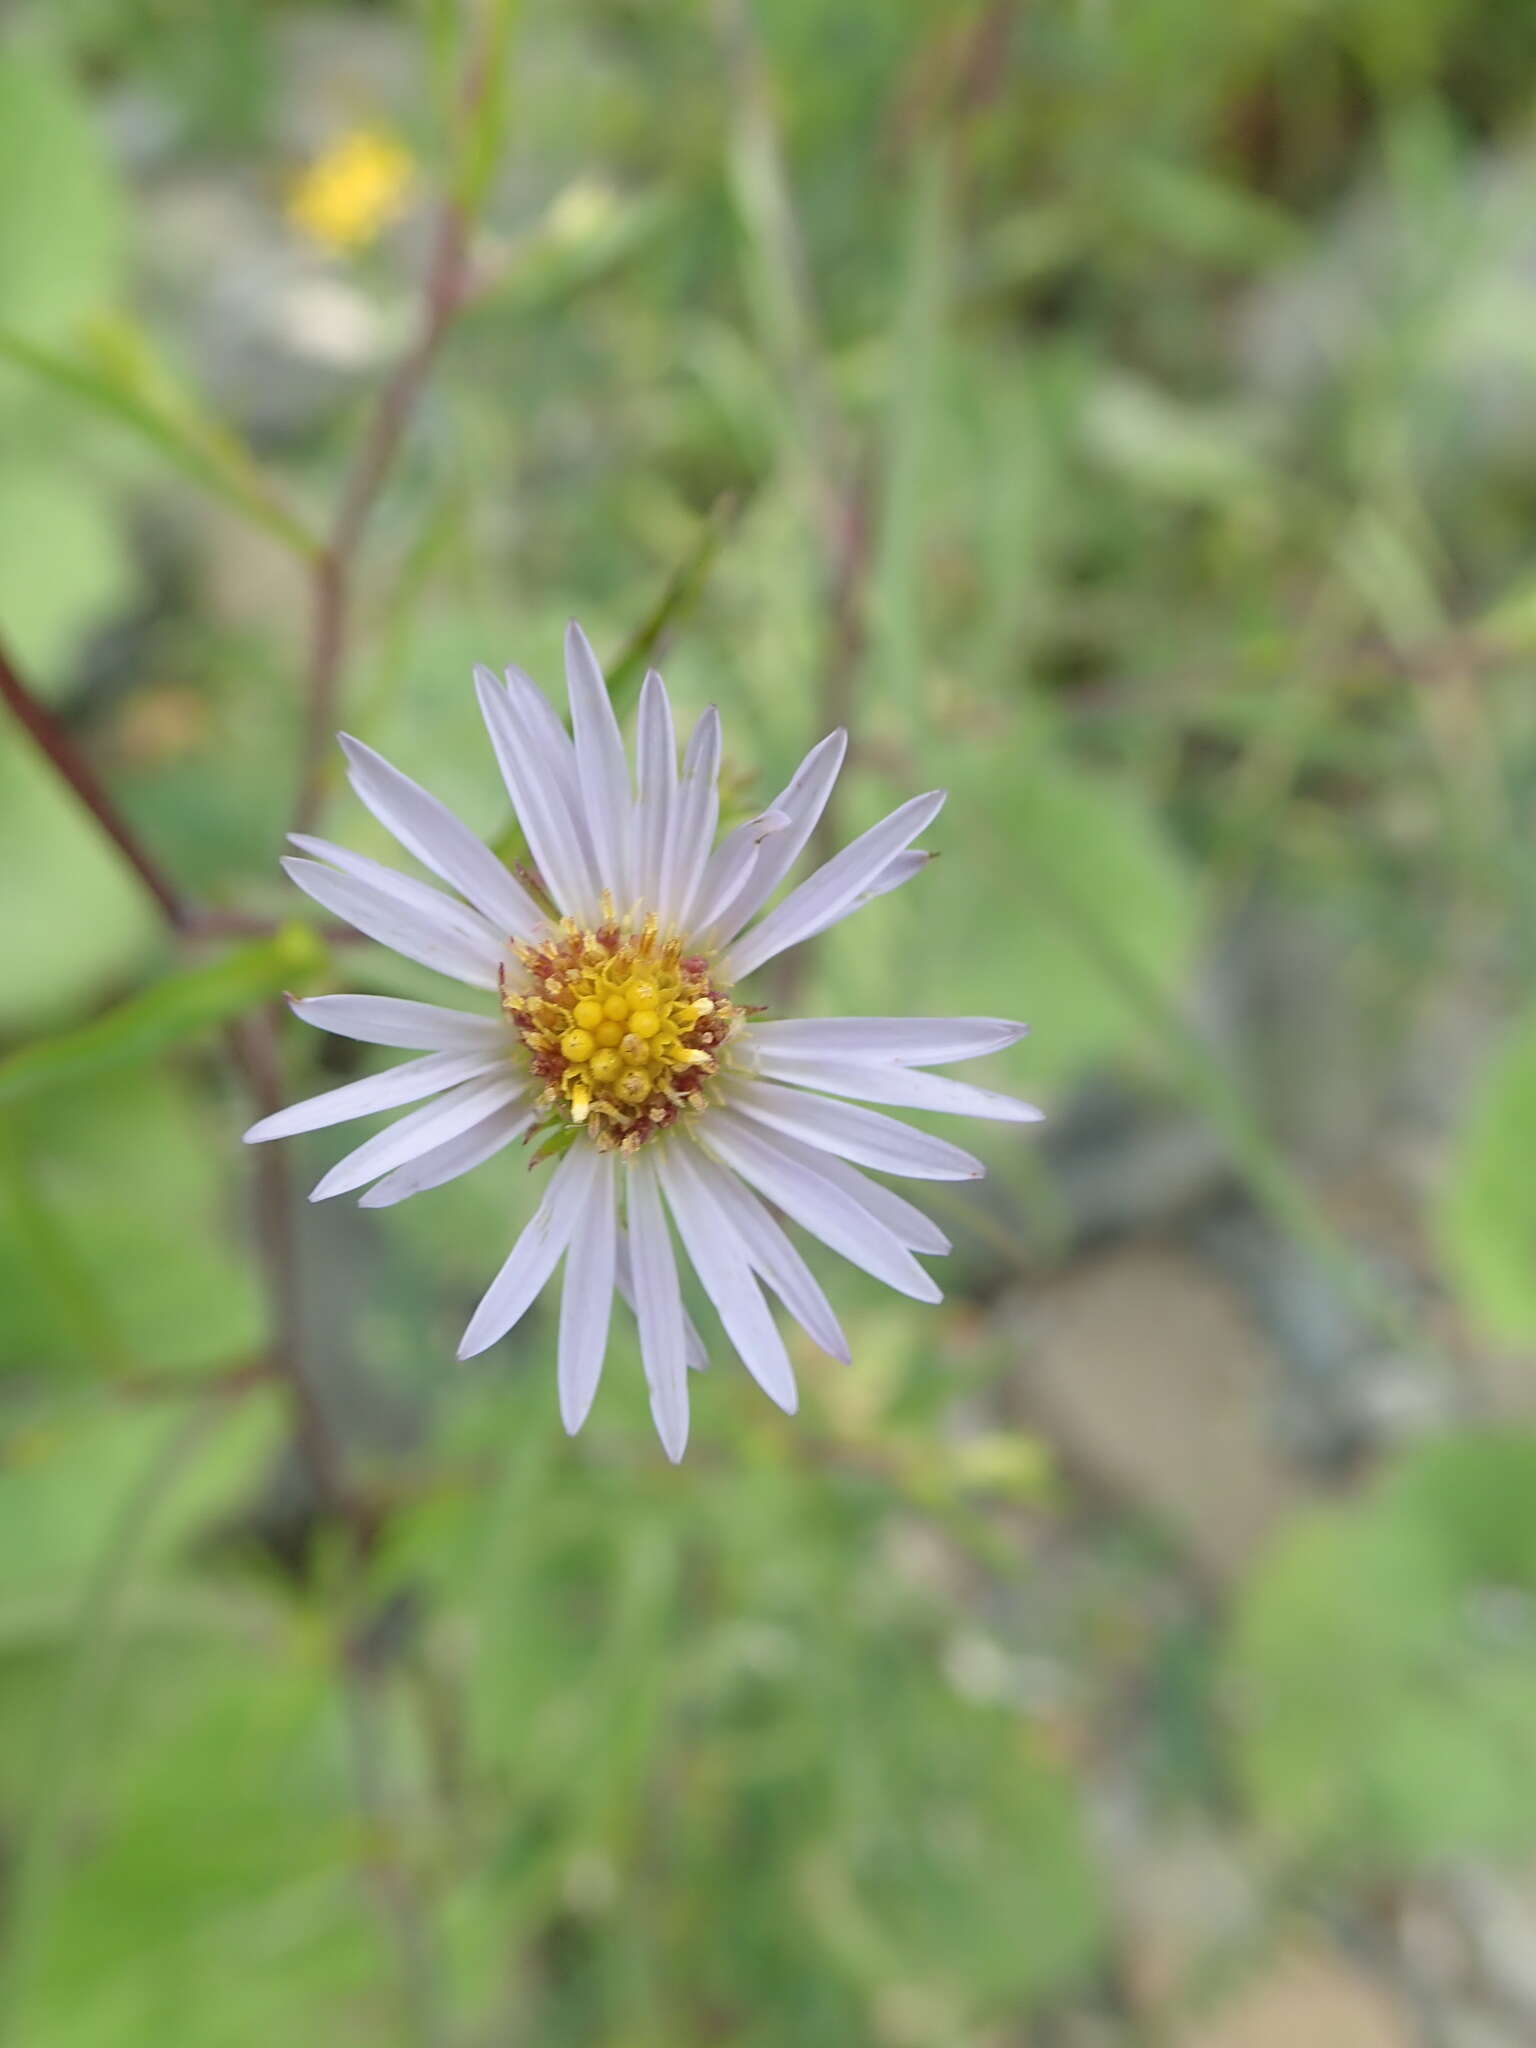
(182, 1006)
(484, 133)
(120, 378)
(681, 593)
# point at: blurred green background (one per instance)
(1121, 411)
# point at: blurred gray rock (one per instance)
(1342, 1388)
(1121, 1164)
(278, 336)
(1498, 1915)
(1154, 1383)
(1465, 2026)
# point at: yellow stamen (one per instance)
(620, 1024)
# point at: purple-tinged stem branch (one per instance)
(252, 1048)
(444, 293)
(58, 746)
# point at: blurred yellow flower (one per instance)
(581, 212)
(1008, 1462)
(353, 191)
(164, 723)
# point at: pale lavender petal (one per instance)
(556, 756)
(449, 1117)
(410, 1082)
(802, 800)
(891, 877)
(446, 1162)
(861, 1135)
(406, 890)
(658, 1307)
(535, 1255)
(906, 1041)
(729, 867)
(417, 1027)
(835, 887)
(694, 815)
(586, 1296)
(771, 1253)
(656, 778)
(424, 935)
(902, 867)
(427, 828)
(902, 1087)
(600, 765)
(726, 1276)
(801, 1183)
(903, 1219)
(532, 770)
(556, 753)
(693, 1345)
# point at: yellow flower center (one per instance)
(622, 1027)
(348, 196)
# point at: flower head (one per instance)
(619, 1041)
(348, 196)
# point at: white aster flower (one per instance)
(620, 1041)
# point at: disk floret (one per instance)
(622, 1026)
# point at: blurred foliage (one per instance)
(1383, 1670)
(1127, 416)
(1488, 1211)
(95, 1276)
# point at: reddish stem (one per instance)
(58, 746)
(447, 278)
